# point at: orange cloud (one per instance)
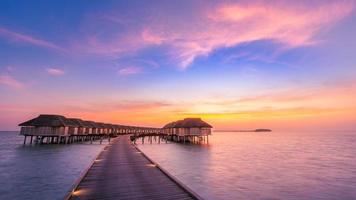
(314, 108)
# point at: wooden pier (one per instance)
(121, 171)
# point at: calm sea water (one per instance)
(42, 171)
(277, 165)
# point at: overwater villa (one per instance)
(59, 129)
(80, 127)
(188, 129)
(48, 125)
(94, 127)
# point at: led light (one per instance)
(77, 192)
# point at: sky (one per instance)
(284, 65)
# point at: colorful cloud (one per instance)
(27, 39)
(55, 71)
(131, 70)
(224, 25)
(11, 82)
(241, 64)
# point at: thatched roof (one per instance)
(61, 121)
(191, 123)
(101, 125)
(89, 124)
(118, 126)
(109, 126)
(80, 123)
(169, 125)
(92, 124)
(49, 120)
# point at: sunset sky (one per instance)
(236, 64)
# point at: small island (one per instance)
(263, 130)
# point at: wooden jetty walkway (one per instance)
(122, 172)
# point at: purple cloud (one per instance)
(55, 71)
(130, 70)
(19, 37)
(11, 82)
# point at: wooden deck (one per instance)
(123, 172)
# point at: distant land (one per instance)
(255, 130)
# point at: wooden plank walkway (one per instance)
(122, 172)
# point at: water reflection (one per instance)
(264, 165)
(40, 171)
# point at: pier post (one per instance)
(31, 139)
(207, 139)
(24, 141)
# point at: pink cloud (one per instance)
(149, 37)
(9, 81)
(55, 71)
(226, 25)
(19, 37)
(233, 24)
(130, 70)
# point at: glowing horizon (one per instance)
(236, 64)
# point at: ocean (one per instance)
(41, 171)
(273, 165)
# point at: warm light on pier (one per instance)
(151, 165)
(77, 192)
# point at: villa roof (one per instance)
(101, 125)
(88, 124)
(80, 123)
(109, 126)
(118, 126)
(93, 124)
(191, 123)
(49, 121)
(169, 125)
